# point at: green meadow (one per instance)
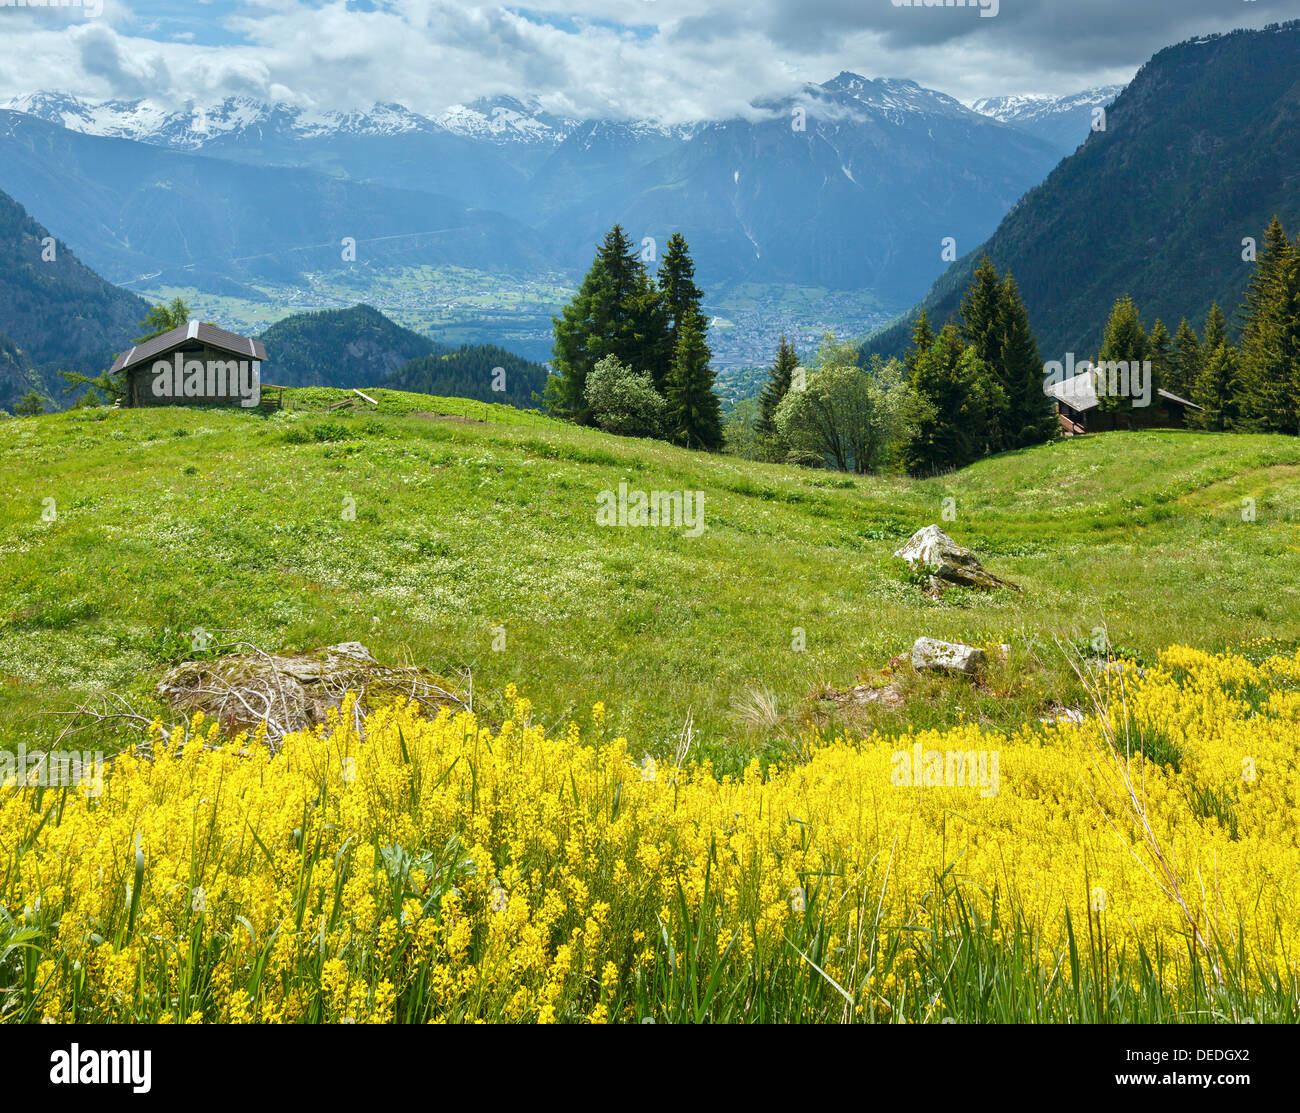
(463, 537)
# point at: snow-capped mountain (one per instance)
(510, 121)
(115, 118)
(195, 126)
(1062, 121)
(850, 181)
(892, 97)
(506, 120)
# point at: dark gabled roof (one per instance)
(210, 335)
(1181, 401)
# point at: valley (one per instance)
(456, 306)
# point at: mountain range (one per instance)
(133, 209)
(850, 184)
(243, 125)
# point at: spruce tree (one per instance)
(979, 312)
(1185, 365)
(1125, 341)
(1216, 331)
(1030, 415)
(621, 261)
(982, 323)
(951, 395)
(1270, 338)
(694, 414)
(922, 341)
(1218, 391)
(778, 384)
(633, 313)
(615, 312)
(681, 299)
(648, 344)
(1261, 292)
(1162, 356)
(581, 338)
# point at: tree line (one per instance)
(482, 372)
(976, 387)
(1252, 385)
(972, 389)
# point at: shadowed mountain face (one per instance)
(1195, 158)
(360, 347)
(340, 348)
(847, 185)
(55, 314)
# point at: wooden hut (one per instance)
(1077, 409)
(195, 364)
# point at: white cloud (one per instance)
(667, 59)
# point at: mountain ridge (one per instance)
(56, 314)
(1193, 162)
(1063, 121)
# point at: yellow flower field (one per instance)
(396, 868)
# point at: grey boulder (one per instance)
(949, 564)
(930, 655)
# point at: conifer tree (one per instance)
(1185, 365)
(778, 383)
(922, 341)
(615, 312)
(1029, 416)
(1125, 341)
(951, 394)
(1216, 331)
(621, 262)
(995, 323)
(681, 299)
(1218, 391)
(979, 312)
(981, 329)
(1270, 338)
(694, 414)
(580, 334)
(1161, 348)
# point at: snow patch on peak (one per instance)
(1019, 109)
(506, 120)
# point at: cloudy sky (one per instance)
(664, 59)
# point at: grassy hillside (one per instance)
(172, 519)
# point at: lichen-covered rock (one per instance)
(930, 655)
(949, 564)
